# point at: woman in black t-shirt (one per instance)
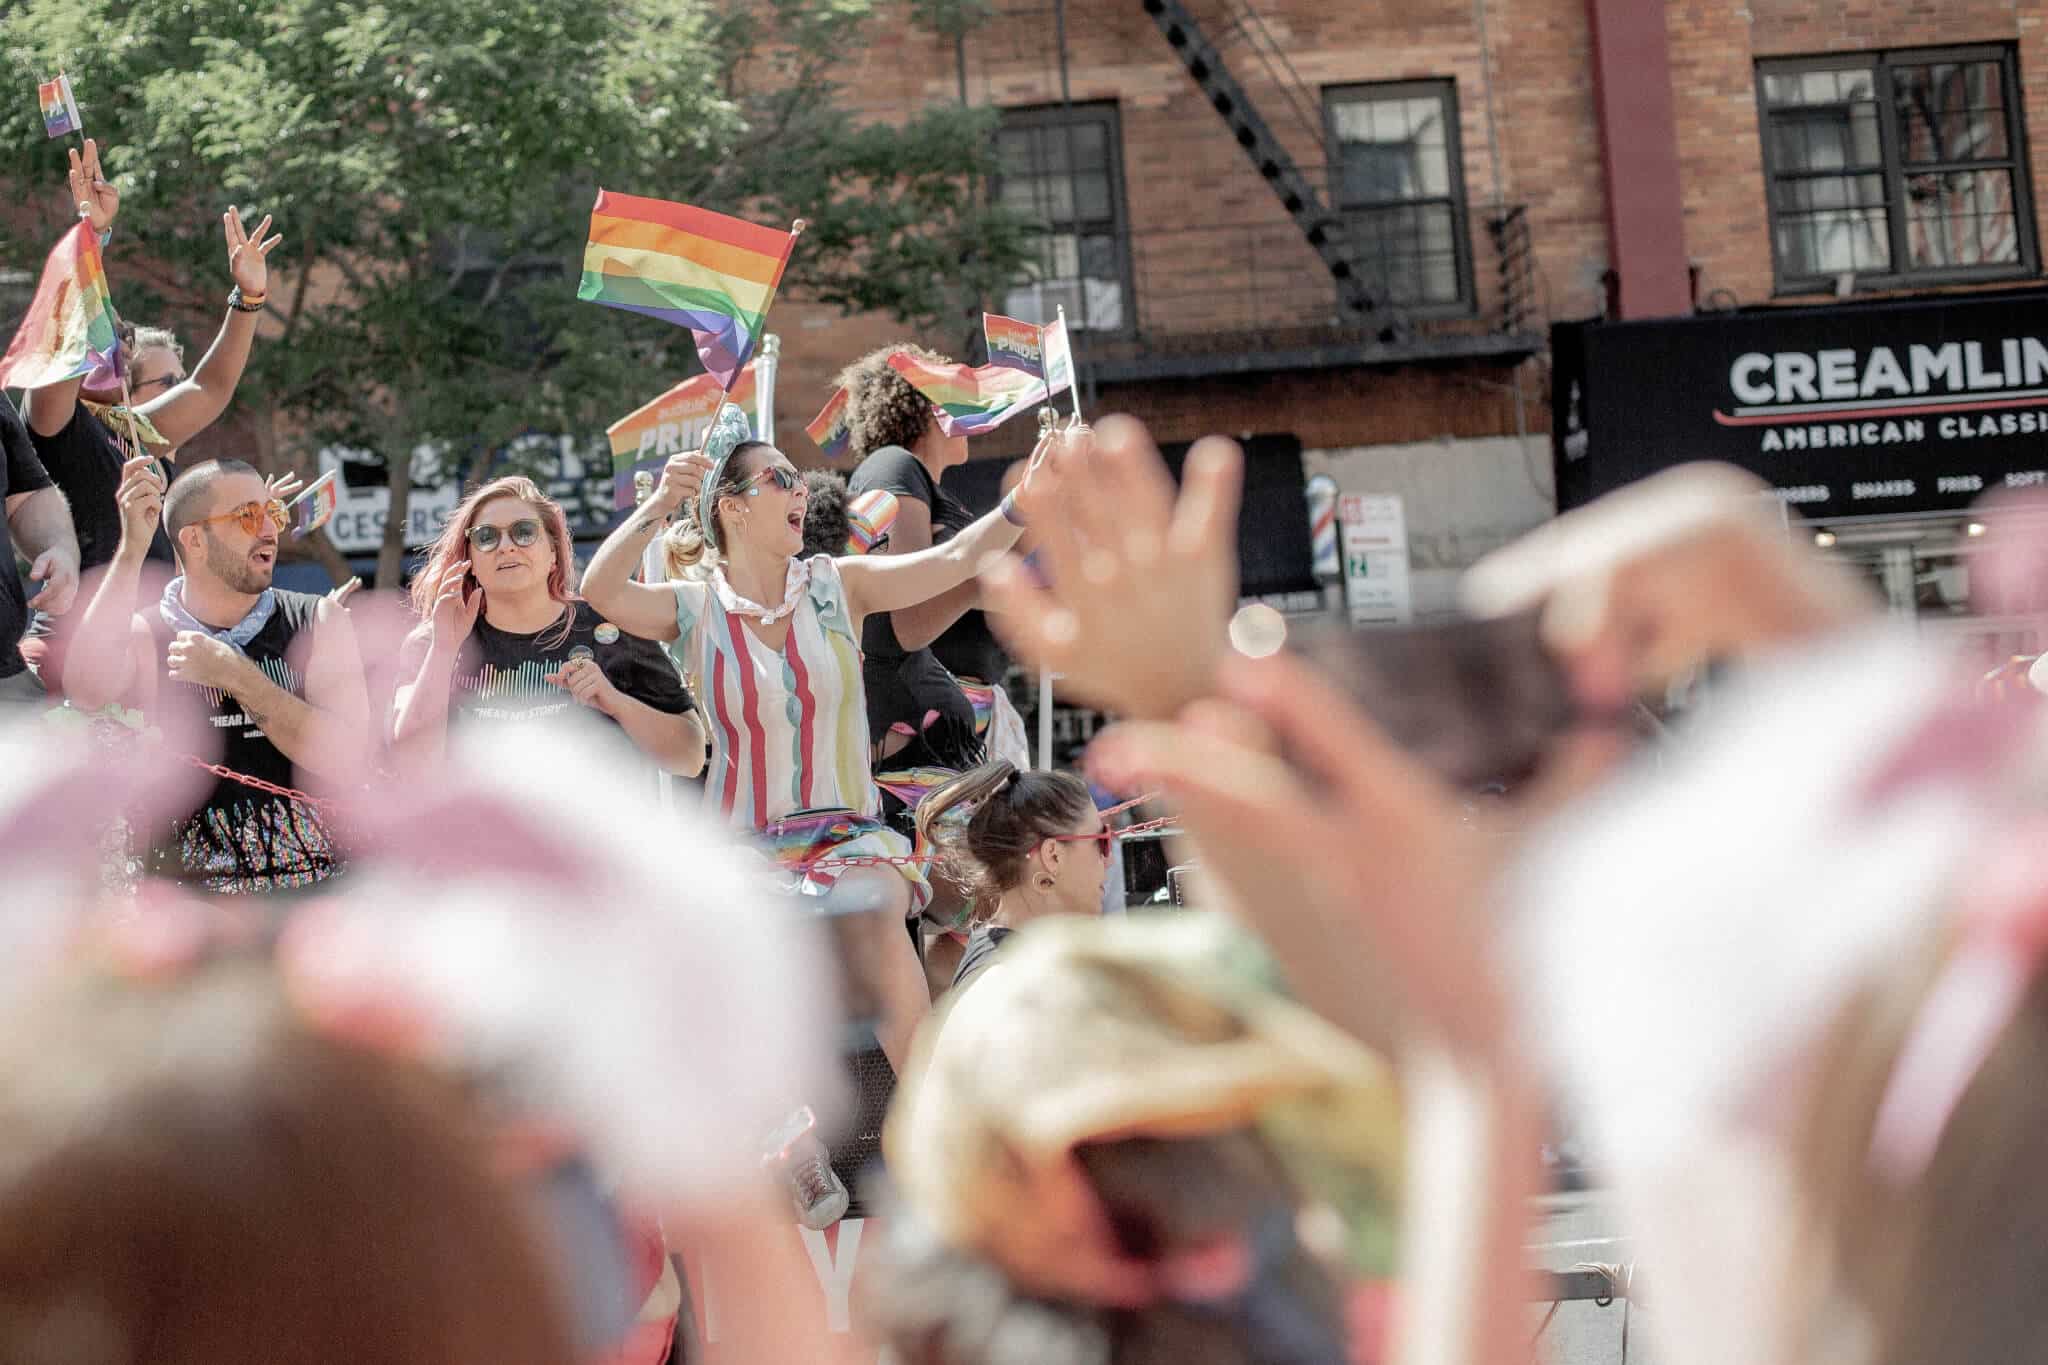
(917, 714)
(503, 641)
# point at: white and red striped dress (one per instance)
(789, 730)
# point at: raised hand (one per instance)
(1143, 583)
(682, 480)
(455, 610)
(97, 200)
(1653, 580)
(338, 597)
(249, 253)
(140, 498)
(282, 486)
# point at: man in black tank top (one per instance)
(273, 675)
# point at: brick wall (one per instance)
(1194, 200)
(1714, 47)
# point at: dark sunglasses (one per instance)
(788, 480)
(166, 380)
(1103, 839)
(250, 516)
(522, 532)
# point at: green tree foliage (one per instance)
(439, 161)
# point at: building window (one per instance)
(1896, 167)
(1061, 167)
(1399, 182)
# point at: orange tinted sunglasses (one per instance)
(249, 516)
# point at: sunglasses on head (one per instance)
(522, 532)
(783, 477)
(250, 516)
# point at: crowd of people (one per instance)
(365, 1001)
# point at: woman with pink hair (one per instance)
(504, 640)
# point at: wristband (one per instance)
(1008, 507)
(106, 237)
(242, 303)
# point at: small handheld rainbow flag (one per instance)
(868, 519)
(70, 330)
(1041, 352)
(830, 428)
(712, 274)
(669, 425)
(60, 111)
(312, 509)
(970, 401)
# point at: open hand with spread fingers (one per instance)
(1143, 577)
(249, 253)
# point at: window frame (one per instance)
(1445, 90)
(1880, 63)
(1053, 116)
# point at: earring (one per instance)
(1046, 883)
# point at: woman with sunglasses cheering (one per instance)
(772, 641)
(503, 640)
(1023, 845)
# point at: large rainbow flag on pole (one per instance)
(71, 330)
(712, 274)
(669, 425)
(970, 400)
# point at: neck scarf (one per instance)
(179, 617)
(794, 587)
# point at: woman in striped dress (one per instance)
(772, 642)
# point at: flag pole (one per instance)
(1073, 366)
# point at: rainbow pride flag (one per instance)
(60, 111)
(311, 509)
(970, 401)
(71, 330)
(829, 428)
(1041, 352)
(669, 425)
(869, 518)
(712, 274)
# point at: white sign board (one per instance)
(358, 524)
(1375, 537)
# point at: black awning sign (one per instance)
(1857, 410)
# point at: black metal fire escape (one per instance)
(1320, 223)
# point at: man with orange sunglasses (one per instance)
(274, 674)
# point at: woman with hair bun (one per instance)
(1024, 845)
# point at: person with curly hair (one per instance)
(827, 522)
(916, 710)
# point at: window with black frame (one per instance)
(1398, 179)
(1896, 168)
(1061, 167)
